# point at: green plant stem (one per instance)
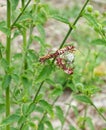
(84, 121)
(38, 91)
(20, 13)
(24, 41)
(74, 23)
(99, 112)
(8, 51)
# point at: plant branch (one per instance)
(20, 14)
(67, 35)
(74, 23)
(99, 112)
(38, 91)
(63, 42)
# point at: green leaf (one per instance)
(75, 111)
(31, 108)
(39, 109)
(72, 128)
(41, 126)
(39, 97)
(44, 74)
(25, 17)
(99, 42)
(57, 92)
(25, 81)
(60, 18)
(90, 123)
(60, 114)
(5, 30)
(83, 98)
(21, 120)
(49, 125)
(39, 40)
(14, 4)
(47, 107)
(91, 19)
(4, 64)
(24, 108)
(15, 78)
(2, 107)
(9, 120)
(6, 81)
(41, 31)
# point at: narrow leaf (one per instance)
(60, 114)
(49, 125)
(91, 19)
(61, 19)
(41, 31)
(2, 108)
(90, 123)
(83, 98)
(99, 42)
(46, 106)
(39, 40)
(6, 81)
(44, 74)
(41, 126)
(25, 17)
(14, 4)
(72, 128)
(5, 30)
(11, 119)
(57, 92)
